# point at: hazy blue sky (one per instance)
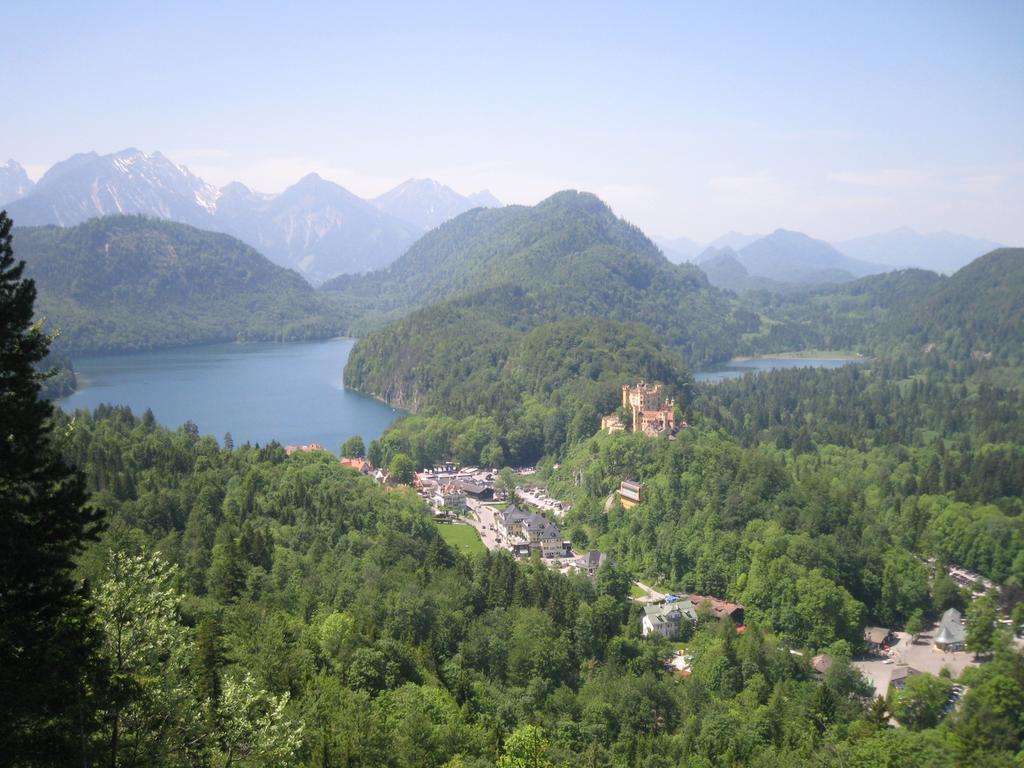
(688, 118)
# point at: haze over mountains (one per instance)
(897, 249)
(315, 226)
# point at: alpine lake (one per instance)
(291, 393)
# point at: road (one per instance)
(481, 517)
(652, 595)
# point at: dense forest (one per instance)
(207, 605)
(126, 283)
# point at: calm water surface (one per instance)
(291, 393)
(736, 368)
(259, 392)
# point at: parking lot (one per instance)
(538, 498)
(922, 656)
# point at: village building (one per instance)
(481, 491)
(664, 619)
(876, 638)
(900, 675)
(821, 664)
(509, 521)
(450, 497)
(951, 635)
(630, 493)
(543, 536)
(720, 609)
(362, 466)
(590, 563)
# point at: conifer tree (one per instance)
(46, 643)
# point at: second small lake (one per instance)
(734, 369)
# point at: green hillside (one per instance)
(566, 257)
(511, 397)
(127, 283)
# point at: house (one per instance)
(510, 521)
(821, 664)
(521, 550)
(876, 637)
(720, 609)
(900, 675)
(543, 536)
(590, 563)
(450, 497)
(951, 635)
(630, 493)
(362, 466)
(664, 619)
(479, 491)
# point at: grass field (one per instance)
(635, 591)
(461, 537)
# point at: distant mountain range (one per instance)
(315, 226)
(792, 259)
(14, 182)
(428, 203)
(903, 247)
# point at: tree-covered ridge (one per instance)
(569, 256)
(489, 394)
(978, 311)
(127, 283)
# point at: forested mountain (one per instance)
(126, 283)
(568, 256)
(903, 247)
(793, 257)
(975, 312)
(315, 227)
(14, 182)
(427, 203)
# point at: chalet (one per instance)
(720, 609)
(951, 635)
(630, 493)
(875, 638)
(664, 619)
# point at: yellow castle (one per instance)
(653, 413)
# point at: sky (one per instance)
(688, 118)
